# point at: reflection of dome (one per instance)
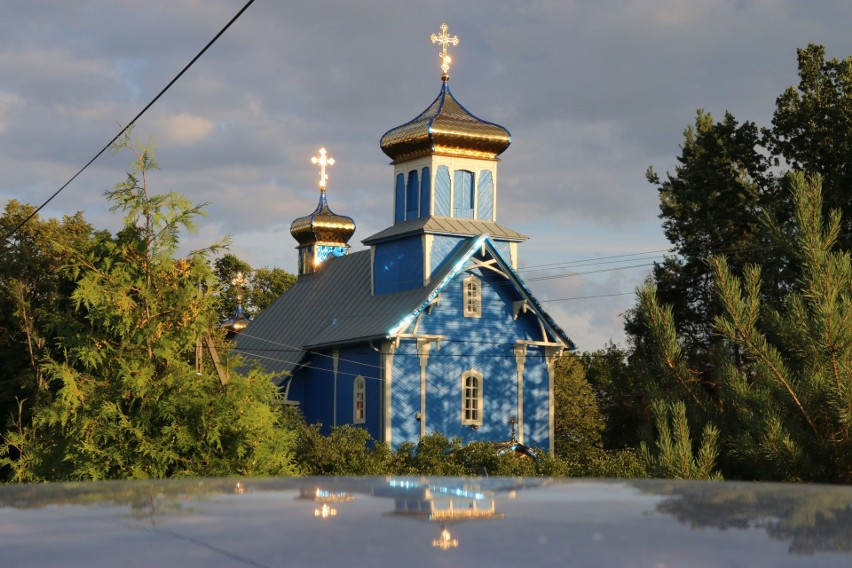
(446, 128)
(322, 226)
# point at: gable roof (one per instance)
(335, 306)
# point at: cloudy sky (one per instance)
(592, 92)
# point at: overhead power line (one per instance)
(131, 123)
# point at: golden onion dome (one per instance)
(322, 226)
(237, 323)
(446, 128)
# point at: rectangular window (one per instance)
(472, 297)
(471, 411)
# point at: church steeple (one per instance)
(323, 233)
(445, 159)
(445, 188)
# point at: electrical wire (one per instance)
(129, 124)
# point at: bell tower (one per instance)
(445, 187)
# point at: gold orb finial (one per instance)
(445, 40)
(324, 161)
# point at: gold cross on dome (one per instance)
(240, 282)
(445, 40)
(324, 161)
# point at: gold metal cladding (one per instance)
(445, 40)
(323, 161)
(322, 226)
(446, 128)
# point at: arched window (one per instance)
(359, 401)
(399, 199)
(471, 404)
(472, 297)
(425, 193)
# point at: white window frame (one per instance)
(359, 395)
(472, 297)
(471, 398)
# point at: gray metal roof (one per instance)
(446, 226)
(335, 306)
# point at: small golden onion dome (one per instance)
(237, 323)
(322, 226)
(446, 128)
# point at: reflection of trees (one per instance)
(812, 518)
(144, 499)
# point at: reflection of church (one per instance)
(431, 329)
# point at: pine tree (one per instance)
(789, 400)
(125, 397)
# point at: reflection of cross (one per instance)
(323, 161)
(512, 421)
(445, 40)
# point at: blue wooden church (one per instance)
(431, 329)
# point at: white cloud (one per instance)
(184, 128)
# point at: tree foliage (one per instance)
(124, 395)
(262, 287)
(34, 287)
(790, 398)
(578, 423)
(812, 129)
(728, 183)
(673, 456)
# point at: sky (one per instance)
(593, 93)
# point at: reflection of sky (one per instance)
(561, 524)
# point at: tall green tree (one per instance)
(783, 399)
(621, 397)
(812, 129)
(729, 177)
(708, 206)
(34, 287)
(578, 422)
(124, 395)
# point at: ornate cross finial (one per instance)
(240, 281)
(445, 40)
(324, 161)
(512, 421)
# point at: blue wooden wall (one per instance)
(485, 196)
(484, 344)
(398, 265)
(313, 387)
